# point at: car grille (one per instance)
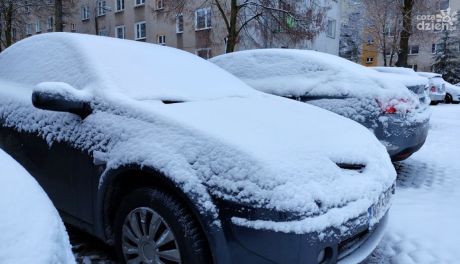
(349, 245)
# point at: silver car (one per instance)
(398, 116)
(437, 86)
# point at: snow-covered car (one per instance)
(174, 160)
(437, 87)
(398, 117)
(30, 227)
(452, 93)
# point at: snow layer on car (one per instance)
(247, 147)
(98, 63)
(30, 227)
(304, 72)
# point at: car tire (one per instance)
(144, 223)
(448, 99)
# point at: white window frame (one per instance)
(101, 8)
(122, 27)
(160, 4)
(208, 18)
(179, 17)
(28, 29)
(369, 60)
(331, 33)
(103, 32)
(119, 5)
(137, 30)
(85, 13)
(139, 3)
(162, 40)
(50, 23)
(38, 26)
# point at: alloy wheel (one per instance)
(147, 238)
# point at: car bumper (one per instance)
(247, 245)
(437, 97)
(402, 137)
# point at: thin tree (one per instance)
(294, 20)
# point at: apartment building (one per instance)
(198, 29)
(425, 39)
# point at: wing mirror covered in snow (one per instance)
(61, 97)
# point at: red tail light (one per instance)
(433, 89)
(394, 106)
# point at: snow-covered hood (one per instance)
(273, 152)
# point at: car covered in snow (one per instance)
(144, 152)
(30, 227)
(398, 116)
(437, 86)
(452, 93)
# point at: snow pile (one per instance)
(234, 143)
(30, 227)
(424, 217)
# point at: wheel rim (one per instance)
(147, 238)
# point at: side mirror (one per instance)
(61, 97)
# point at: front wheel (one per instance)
(152, 226)
(448, 99)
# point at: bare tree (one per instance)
(292, 19)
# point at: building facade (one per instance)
(199, 29)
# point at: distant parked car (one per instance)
(452, 94)
(135, 146)
(437, 87)
(397, 116)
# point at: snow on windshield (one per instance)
(304, 72)
(138, 70)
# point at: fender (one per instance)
(214, 234)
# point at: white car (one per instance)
(31, 230)
(173, 160)
(452, 93)
(437, 86)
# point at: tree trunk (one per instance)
(58, 16)
(405, 33)
(8, 25)
(232, 31)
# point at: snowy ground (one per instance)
(425, 215)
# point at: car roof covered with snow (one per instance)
(288, 72)
(30, 227)
(135, 69)
(406, 76)
(429, 74)
(237, 144)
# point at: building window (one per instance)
(139, 2)
(28, 29)
(139, 29)
(413, 49)
(72, 27)
(14, 34)
(162, 40)
(101, 8)
(38, 27)
(119, 5)
(102, 32)
(204, 53)
(120, 32)
(369, 60)
(49, 23)
(84, 12)
(180, 23)
(435, 48)
(203, 18)
(443, 4)
(331, 25)
(160, 4)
